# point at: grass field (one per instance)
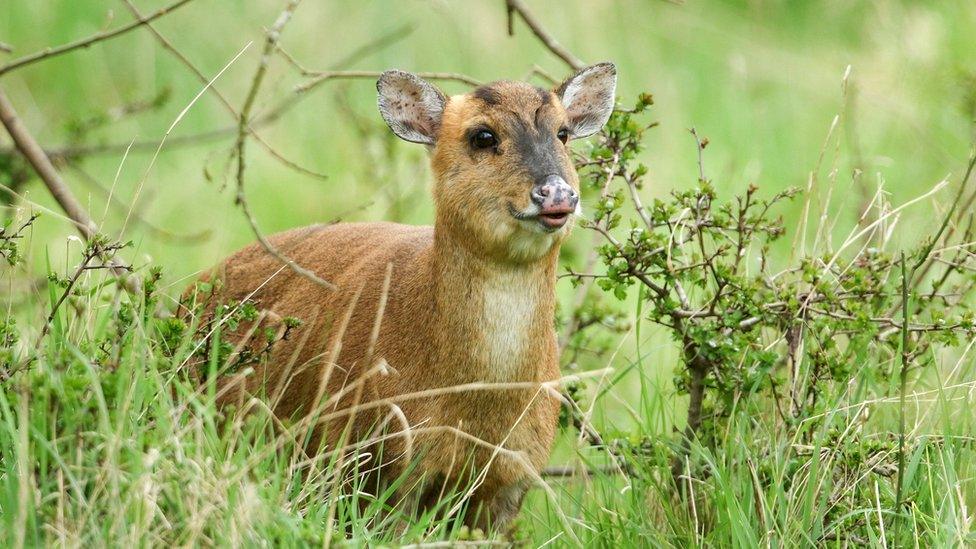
(102, 443)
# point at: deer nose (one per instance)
(553, 194)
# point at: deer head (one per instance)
(505, 184)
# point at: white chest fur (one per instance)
(509, 305)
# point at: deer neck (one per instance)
(494, 319)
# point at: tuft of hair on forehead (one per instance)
(488, 94)
(512, 94)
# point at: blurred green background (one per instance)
(850, 95)
(763, 80)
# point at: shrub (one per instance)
(783, 343)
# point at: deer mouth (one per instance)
(550, 219)
(554, 219)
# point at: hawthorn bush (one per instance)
(777, 347)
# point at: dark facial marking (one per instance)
(544, 96)
(488, 94)
(537, 149)
(531, 138)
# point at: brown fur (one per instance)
(470, 300)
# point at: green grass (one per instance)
(103, 442)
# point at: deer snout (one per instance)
(556, 199)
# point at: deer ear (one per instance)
(588, 98)
(411, 106)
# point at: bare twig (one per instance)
(381, 41)
(367, 49)
(321, 77)
(72, 152)
(271, 41)
(47, 53)
(95, 250)
(35, 156)
(168, 45)
(517, 6)
(536, 70)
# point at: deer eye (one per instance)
(563, 135)
(483, 139)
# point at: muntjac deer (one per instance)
(440, 335)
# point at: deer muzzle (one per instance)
(556, 200)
